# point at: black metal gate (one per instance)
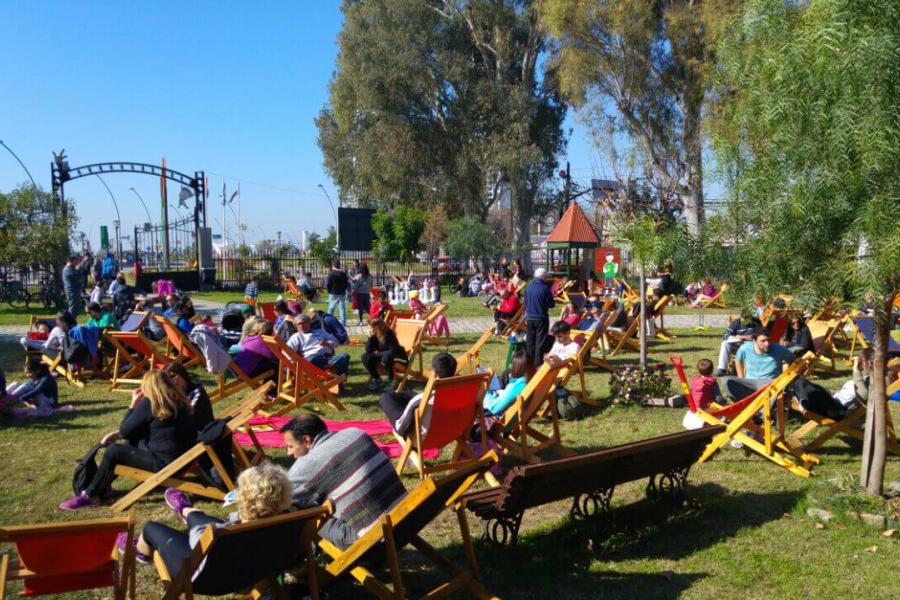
(172, 248)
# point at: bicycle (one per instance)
(46, 298)
(13, 293)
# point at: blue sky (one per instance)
(230, 88)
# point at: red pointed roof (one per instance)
(574, 228)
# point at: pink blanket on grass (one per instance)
(267, 432)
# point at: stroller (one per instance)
(230, 331)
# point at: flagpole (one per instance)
(164, 198)
(224, 220)
(240, 228)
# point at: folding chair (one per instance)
(621, 339)
(174, 474)
(58, 558)
(659, 311)
(515, 325)
(470, 360)
(457, 405)
(56, 364)
(402, 526)
(561, 292)
(278, 544)
(299, 381)
(267, 310)
(822, 335)
(179, 346)
(739, 416)
(135, 355)
(846, 426)
(629, 294)
(717, 299)
(240, 381)
(579, 299)
(864, 328)
(434, 311)
(517, 430)
(33, 322)
(409, 334)
(391, 317)
(588, 340)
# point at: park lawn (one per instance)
(744, 533)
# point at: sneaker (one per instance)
(80, 500)
(178, 502)
(374, 385)
(736, 444)
(388, 386)
(122, 540)
(360, 324)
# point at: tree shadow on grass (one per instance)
(56, 420)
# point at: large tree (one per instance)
(809, 136)
(34, 229)
(642, 68)
(441, 102)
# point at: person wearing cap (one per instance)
(538, 302)
(415, 305)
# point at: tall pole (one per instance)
(118, 222)
(147, 210)
(337, 232)
(239, 222)
(164, 199)
(224, 216)
(19, 160)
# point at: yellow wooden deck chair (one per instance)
(769, 443)
(589, 341)
(848, 426)
(279, 543)
(623, 339)
(60, 558)
(409, 334)
(659, 311)
(402, 526)
(518, 430)
(470, 361)
(434, 311)
(456, 405)
(515, 325)
(716, 300)
(175, 473)
(822, 333)
(299, 381)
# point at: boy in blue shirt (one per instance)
(757, 363)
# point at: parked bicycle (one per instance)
(46, 298)
(13, 293)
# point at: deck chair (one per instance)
(846, 426)
(177, 474)
(267, 310)
(563, 290)
(391, 316)
(33, 322)
(401, 526)
(410, 333)
(470, 361)
(434, 311)
(457, 406)
(822, 335)
(135, 354)
(278, 544)
(60, 558)
(299, 381)
(623, 339)
(515, 325)
(865, 333)
(517, 430)
(179, 346)
(588, 340)
(659, 311)
(56, 364)
(577, 298)
(629, 294)
(762, 439)
(716, 300)
(239, 381)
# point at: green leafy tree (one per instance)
(468, 237)
(809, 139)
(322, 248)
(642, 68)
(34, 229)
(398, 234)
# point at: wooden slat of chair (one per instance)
(241, 381)
(624, 339)
(846, 426)
(469, 361)
(822, 333)
(138, 352)
(184, 349)
(410, 333)
(299, 381)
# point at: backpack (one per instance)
(85, 470)
(814, 397)
(75, 352)
(568, 406)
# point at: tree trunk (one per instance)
(875, 442)
(643, 324)
(693, 202)
(521, 206)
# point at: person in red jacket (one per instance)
(506, 310)
(379, 306)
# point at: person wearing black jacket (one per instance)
(201, 407)
(382, 347)
(798, 337)
(336, 284)
(538, 302)
(158, 428)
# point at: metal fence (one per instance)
(171, 248)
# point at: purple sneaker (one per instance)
(178, 501)
(80, 500)
(122, 539)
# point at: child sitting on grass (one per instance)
(38, 397)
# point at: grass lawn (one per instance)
(743, 534)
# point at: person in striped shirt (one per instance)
(251, 292)
(345, 466)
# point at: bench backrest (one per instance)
(534, 485)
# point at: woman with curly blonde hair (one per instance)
(262, 491)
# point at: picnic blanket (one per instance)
(267, 432)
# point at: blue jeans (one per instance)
(339, 363)
(339, 301)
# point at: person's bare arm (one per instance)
(739, 368)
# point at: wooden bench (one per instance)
(589, 479)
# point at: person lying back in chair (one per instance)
(262, 491)
(344, 466)
(399, 407)
(757, 363)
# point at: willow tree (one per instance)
(642, 68)
(808, 136)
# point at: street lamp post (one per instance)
(19, 160)
(337, 229)
(149, 218)
(118, 222)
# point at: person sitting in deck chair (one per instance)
(157, 427)
(382, 348)
(798, 337)
(757, 363)
(506, 310)
(98, 317)
(255, 357)
(564, 347)
(399, 407)
(345, 466)
(318, 346)
(52, 342)
(262, 491)
(498, 398)
(738, 332)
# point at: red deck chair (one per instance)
(180, 346)
(57, 558)
(778, 328)
(456, 408)
(135, 355)
(267, 310)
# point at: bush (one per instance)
(628, 386)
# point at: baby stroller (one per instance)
(230, 331)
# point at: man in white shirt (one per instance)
(564, 347)
(400, 407)
(317, 347)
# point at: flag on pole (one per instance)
(224, 194)
(183, 195)
(233, 196)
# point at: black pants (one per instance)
(121, 454)
(393, 404)
(363, 305)
(386, 359)
(536, 331)
(173, 545)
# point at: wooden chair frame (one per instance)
(659, 311)
(410, 333)
(392, 525)
(171, 474)
(470, 361)
(182, 584)
(299, 381)
(225, 389)
(179, 346)
(714, 301)
(592, 339)
(825, 346)
(846, 426)
(623, 339)
(123, 574)
(514, 325)
(135, 351)
(462, 454)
